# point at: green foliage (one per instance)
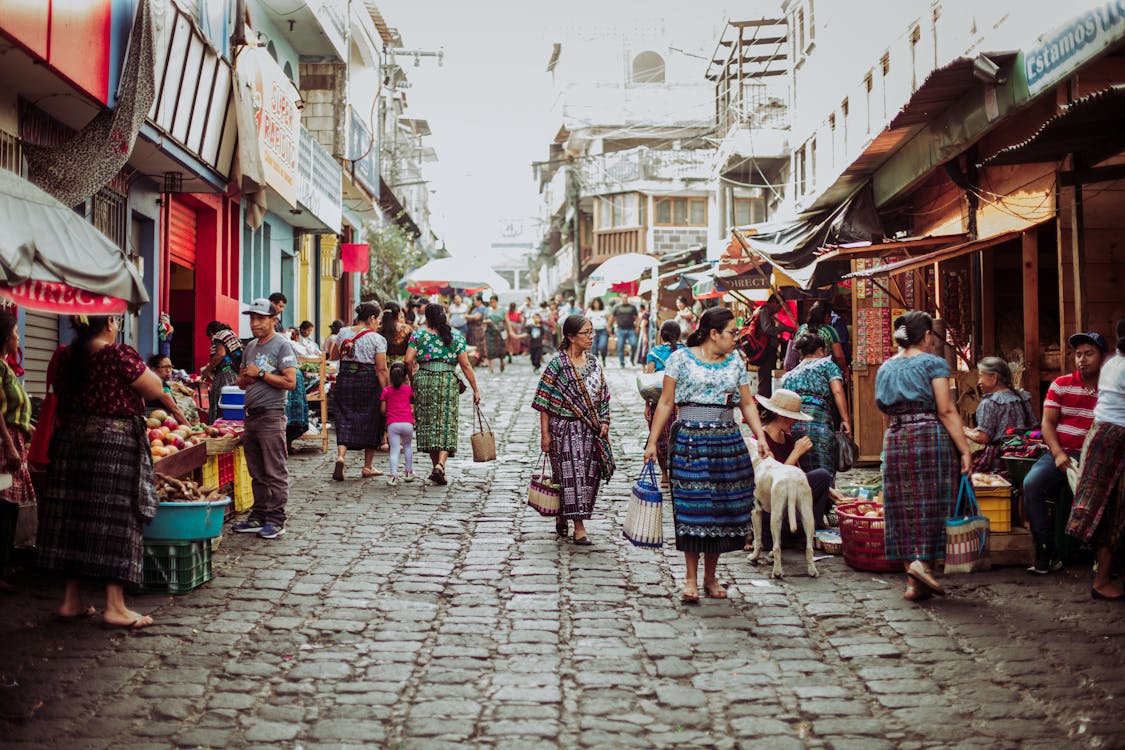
(393, 254)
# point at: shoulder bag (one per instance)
(38, 451)
(966, 536)
(644, 518)
(483, 440)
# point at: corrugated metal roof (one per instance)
(1094, 124)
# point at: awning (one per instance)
(394, 210)
(52, 259)
(1092, 125)
(796, 245)
(938, 256)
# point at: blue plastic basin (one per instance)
(187, 521)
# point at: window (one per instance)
(832, 139)
(680, 212)
(867, 85)
(748, 211)
(621, 210)
(648, 67)
(844, 122)
(812, 161)
(799, 170)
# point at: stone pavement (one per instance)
(432, 617)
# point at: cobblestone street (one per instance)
(430, 617)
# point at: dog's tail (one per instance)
(791, 499)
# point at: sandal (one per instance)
(338, 472)
(85, 614)
(371, 472)
(918, 573)
(437, 476)
(915, 592)
(715, 590)
(583, 541)
(143, 621)
(689, 594)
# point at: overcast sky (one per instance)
(489, 105)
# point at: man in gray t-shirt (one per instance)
(269, 372)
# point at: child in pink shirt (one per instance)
(400, 421)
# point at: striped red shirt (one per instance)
(1075, 403)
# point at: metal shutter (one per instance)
(181, 233)
(40, 339)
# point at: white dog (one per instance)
(779, 489)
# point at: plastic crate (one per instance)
(175, 567)
(243, 494)
(863, 540)
(219, 470)
(996, 503)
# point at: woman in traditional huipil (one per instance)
(223, 367)
(363, 375)
(819, 382)
(15, 439)
(920, 452)
(711, 472)
(495, 328)
(573, 404)
(435, 353)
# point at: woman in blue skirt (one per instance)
(711, 473)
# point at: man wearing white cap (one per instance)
(269, 371)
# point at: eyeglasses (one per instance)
(730, 332)
(588, 332)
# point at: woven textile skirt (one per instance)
(493, 344)
(21, 492)
(1098, 512)
(355, 406)
(712, 486)
(219, 381)
(820, 432)
(921, 470)
(435, 408)
(574, 465)
(98, 496)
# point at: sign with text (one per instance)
(1063, 50)
(61, 299)
(276, 118)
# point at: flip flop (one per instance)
(371, 473)
(583, 541)
(134, 625)
(437, 476)
(919, 573)
(86, 614)
(338, 472)
(689, 596)
(713, 592)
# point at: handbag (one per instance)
(38, 455)
(966, 536)
(847, 452)
(644, 518)
(483, 441)
(544, 495)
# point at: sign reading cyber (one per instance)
(1063, 50)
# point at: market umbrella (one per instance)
(52, 259)
(455, 273)
(622, 269)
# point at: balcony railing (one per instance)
(611, 242)
(620, 170)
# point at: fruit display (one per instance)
(166, 436)
(171, 490)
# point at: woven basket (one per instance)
(863, 541)
(219, 445)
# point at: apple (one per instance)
(159, 415)
(155, 434)
(175, 441)
(171, 423)
(157, 444)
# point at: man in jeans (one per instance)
(625, 325)
(1068, 413)
(269, 372)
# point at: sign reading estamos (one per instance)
(1063, 50)
(278, 122)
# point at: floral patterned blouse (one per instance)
(813, 377)
(107, 390)
(698, 382)
(431, 348)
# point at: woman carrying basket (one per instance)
(920, 452)
(712, 476)
(573, 404)
(436, 351)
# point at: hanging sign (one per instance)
(61, 299)
(1061, 51)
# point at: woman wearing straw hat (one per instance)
(783, 412)
(711, 473)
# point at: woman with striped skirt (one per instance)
(711, 473)
(362, 376)
(820, 384)
(435, 352)
(920, 453)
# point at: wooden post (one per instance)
(1078, 251)
(1029, 242)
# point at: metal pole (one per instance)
(576, 241)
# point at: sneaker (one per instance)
(269, 531)
(409, 477)
(247, 527)
(392, 480)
